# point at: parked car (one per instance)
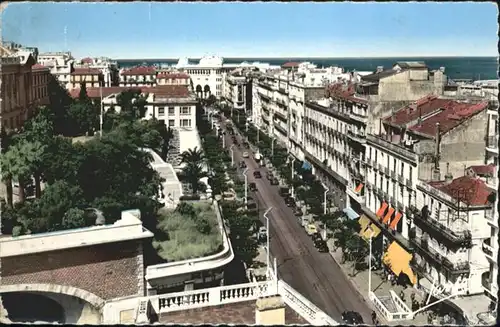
(311, 229)
(352, 318)
(297, 212)
(246, 145)
(243, 164)
(275, 181)
(321, 246)
(284, 191)
(252, 187)
(257, 174)
(269, 175)
(290, 202)
(245, 154)
(316, 236)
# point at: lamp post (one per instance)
(324, 197)
(272, 146)
(268, 259)
(293, 171)
(370, 265)
(232, 154)
(246, 127)
(246, 186)
(223, 139)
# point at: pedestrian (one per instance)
(377, 322)
(374, 317)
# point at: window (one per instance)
(376, 154)
(185, 111)
(395, 166)
(171, 110)
(161, 111)
(185, 122)
(411, 173)
(171, 123)
(401, 172)
(369, 153)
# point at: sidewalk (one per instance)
(380, 287)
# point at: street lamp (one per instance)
(293, 171)
(370, 265)
(246, 186)
(324, 197)
(272, 146)
(232, 154)
(268, 259)
(223, 139)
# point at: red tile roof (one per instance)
(169, 75)
(161, 91)
(141, 70)
(39, 67)
(470, 190)
(291, 64)
(448, 113)
(343, 91)
(87, 60)
(86, 71)
(483, 170)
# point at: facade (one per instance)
(39, 89)
(107, 67)
(138, 76)
(16, 86)
(452, 236)
(60, 65)
(172, 78)
(91, 77)
(235, 90)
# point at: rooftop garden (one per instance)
(190, 231)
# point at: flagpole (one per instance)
(101, 115)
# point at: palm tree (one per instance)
(194, 156)
(6, 140)
(193, 172)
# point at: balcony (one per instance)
(381, 168)
(280, 129)
(489, 251)
(400, 206)
(358, 197)
(422, 247)
(386, 171)
(393, 175)
(409, 183)
(358, 117)
(356, 137)
(281, 116)
(401, 179)
(441, 232)
(492, 144)
(491, 218)
(325, 168)
(401, 151)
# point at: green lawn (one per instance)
(183, 238)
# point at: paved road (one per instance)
(315, 275)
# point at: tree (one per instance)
(357, 250)
(60, 101)
(193, 156)
(132, 104)
(83, 96)
(6, 141)
(83, 117)
(193, 173)
(74, 218)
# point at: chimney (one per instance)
(380, 69)
(270, 311)
(448, 177)
(436, 172)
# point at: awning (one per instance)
(351, 214)
(396, 220)
(371, 228)
(388, 216)
(399, 261)
(359, 188)
(381, 210)
(363, 222)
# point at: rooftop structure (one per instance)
(469, 190)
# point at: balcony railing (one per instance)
(440, 231)
(380, 168)
(393, 175)
(422, 247)
(358, 117)
(401, 179)
(408, 183)
(356, 137)
(392, 147)
(386, 171)
(400, 206)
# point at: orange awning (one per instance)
(395, 221)
(381, 210)
(388, 216)
(359, 188)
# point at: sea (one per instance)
(475, 68)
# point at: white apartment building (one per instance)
(137, 76)
(107, 67)
(235, 89)
(487, 89)
(60, 64)
(452, 236)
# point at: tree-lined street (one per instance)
(314, 274)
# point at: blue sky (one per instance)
(172, 30)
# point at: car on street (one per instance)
(284, 191)
(311, 229)
(269, 175)
(257, 174)
(245, 154)
(275, 181)
(297, 212)
(243, 164)
(316, 236)
(290, 202)
(352, 318)
(246, 145)
(252, 187)
(321, 246)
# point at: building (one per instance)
(235, 91)
(108, 68)
(487, 89)
(60, 65)
(16, 86)
(91, 77)
(172, 78)
(39, 90)
(138, 76)
(452, 237)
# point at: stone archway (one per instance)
(199, 90)
(206, 91)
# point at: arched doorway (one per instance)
(206, 91)
(35, 307)
(199, 90)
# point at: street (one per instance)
(316, 275)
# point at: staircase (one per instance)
(174, 155)
(388, 303)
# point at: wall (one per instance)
(107, 270)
